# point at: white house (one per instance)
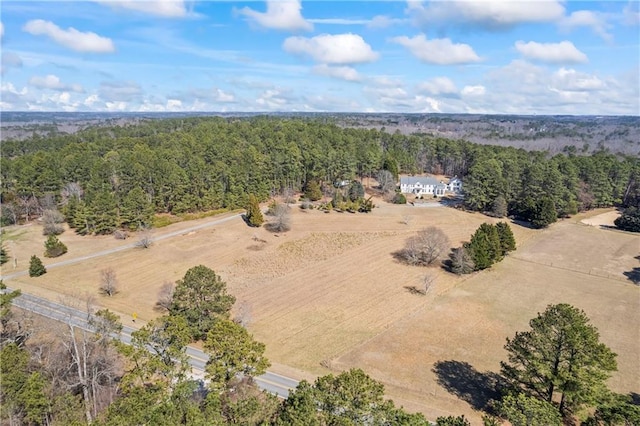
(427, 185)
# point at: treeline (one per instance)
(119, 177)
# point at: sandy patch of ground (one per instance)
(604, 219)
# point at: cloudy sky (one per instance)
(481, 56)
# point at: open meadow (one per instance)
(329, 295)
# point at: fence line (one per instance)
(592, 272)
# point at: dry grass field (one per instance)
(329, 295)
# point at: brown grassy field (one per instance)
(329, 295)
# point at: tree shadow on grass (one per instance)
(477, 388)
(634, 274)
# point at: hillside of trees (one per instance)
(110, 177)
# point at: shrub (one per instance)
(36, 267)
(52, 220)
(54, 247)
(399, 199)
(630, 220)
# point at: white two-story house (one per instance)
(427, 185)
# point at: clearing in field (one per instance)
(329, 295)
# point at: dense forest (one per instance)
(106, 178)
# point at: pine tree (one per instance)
(507, 240)
(312, 191)
(544, 214)
(36, 267)
(4, 257)
(54, 247)
(484, 247)
(560, 358)
(254, 214)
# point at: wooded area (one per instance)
(107, 178)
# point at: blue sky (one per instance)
(483, 56)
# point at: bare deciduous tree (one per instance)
(165, 296)
(425, 247)
(52, 222)
(460, 261)
(243, 315)
(386, 181)
(281, 221)
(145, 239)
(29, 205)
(108, 282)
(71, 189)
(427, 282)
(406, 219)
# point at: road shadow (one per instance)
(477, 388)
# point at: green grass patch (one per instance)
(12, 235)
(161, 220)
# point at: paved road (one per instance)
(271, 382)
(126, 246)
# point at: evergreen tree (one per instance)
(254, 214)
(499, 208)
(36, 267)
(4, 257)
(312, 191)
(544, 213)
(356, 191)
(136, 211)
(560, 354)
(54, 247)
(201, 298)
(507, 240)
(391, 165)
(232, 352)
(523, 410)
(484, 247)
(629, 220)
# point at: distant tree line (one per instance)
(118, 177)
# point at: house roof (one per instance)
(424, 180)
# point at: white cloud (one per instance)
(221, 96)
(342, 73)
(473, 91)
(120, 91)
(631, 13)
(385, 81)
(91, 100)
(555, 53)
(274, 99)
(116, 106)
(489, 14)
(332, 49)
(397, 99)
(1, 30)
(339, 21)
(71, 38)
(52, 82)
(587, 18)
(280, 15)
(572, 80)
(9, 60)
(438, 86)
(439, 51)
(162, 8)
(174, 105)
(382, 21)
